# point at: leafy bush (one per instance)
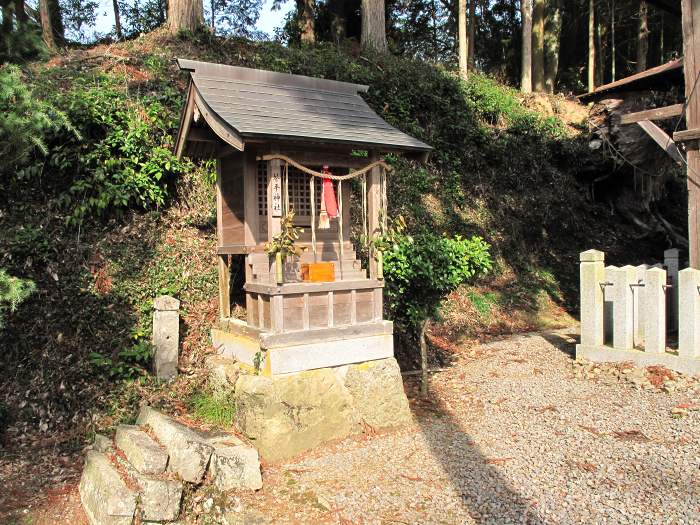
(420, 271)
(130, 164)
(13, 291)
(130, 363)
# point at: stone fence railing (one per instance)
(644, 314)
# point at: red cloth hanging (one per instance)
(328, 196)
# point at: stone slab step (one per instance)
(159, 496)
(105, 496)
(142, 451)
(188, 450)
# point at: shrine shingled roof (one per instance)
(256, 104)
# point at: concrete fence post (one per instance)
(608, 307)
(655, 311)
(592, 275)
(671, 262)
(623, 307)
(689, 313)
(166, 333)
(639, 310)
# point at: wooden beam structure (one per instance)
(686, 135)
(662, 139)
(653, 114)
(691, 63)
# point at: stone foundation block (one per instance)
(106, 498)
(160, 498)
(377, 391)
(289, 414)
(223, 374)
(189, 451)
(235, 467)
(146, 456)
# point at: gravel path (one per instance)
(513, 435)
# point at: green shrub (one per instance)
(420, 271)
(131, 164)
(13, 291)
(131, 362)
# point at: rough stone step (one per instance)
(159, 496)
(188, 450)
(235, 467)
(142, 451)
(106, 498)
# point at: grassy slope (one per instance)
(499, 170)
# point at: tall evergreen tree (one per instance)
(374, 25)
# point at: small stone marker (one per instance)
(166, 333)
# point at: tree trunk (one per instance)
(471, 39)
(613, 53)
(307, 29)
(21, 12)
(117, 20)
(538, 45)
(185, 15)
(212, 22)
(642, 37)
(6, 27)
(57, 22)
(462, 37)
(424, 359)
(526, 73)
(600, 37)
(46, 26)
(551, 45)
(374, 25)
(591, 45)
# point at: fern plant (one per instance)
(26, 121)
(13, 291)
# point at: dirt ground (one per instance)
(513, 432)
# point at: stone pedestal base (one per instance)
(292, 413)
(604, 354)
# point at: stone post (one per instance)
(623, 323)
(638, 292)
(592, 274)
(166, 333)
(671, 264)
(655, 311)
(608, 307)
(689, 313)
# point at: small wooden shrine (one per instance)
(288, 143)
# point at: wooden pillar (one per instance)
(274, 196)
(250, 199)
(374, 199)
(691, 65)
(224, 286)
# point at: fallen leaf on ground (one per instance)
(631, 435)
(497, 461)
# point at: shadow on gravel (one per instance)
(565, 342)
(485, 493)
